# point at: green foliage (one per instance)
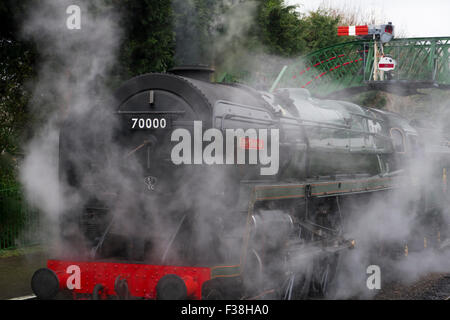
(283, 31)
(17, 62)
(196, 25)
(372, 99)
(16, 67)
(320, 30)
(148, 44)
(11, 13)
(280, 28)
(277, 33)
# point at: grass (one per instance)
(15, 252)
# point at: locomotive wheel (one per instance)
(222, 289)
(327, 269)
(171, 287)
(121, 288)
(298, 284)
(211, 291)
(253, 273)
(45, 284)
(98, 291)
(302, 284)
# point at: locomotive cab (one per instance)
(404, 137)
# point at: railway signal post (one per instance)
(380, 34)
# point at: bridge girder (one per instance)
(347, 68)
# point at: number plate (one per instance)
(148, 123)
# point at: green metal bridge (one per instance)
(348, 68)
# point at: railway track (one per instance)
(434, 286)
(430, 287)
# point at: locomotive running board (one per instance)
(320, 189)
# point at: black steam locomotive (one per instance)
(182, 188)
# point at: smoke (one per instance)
(73, 64)
(79, 124)
(204, 34)
(402, 231)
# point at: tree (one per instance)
(17, 61)
(280, 29)
(148, 42)
(276, 34)
(197, 25)
(320, 30)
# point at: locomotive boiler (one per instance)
(189, 189)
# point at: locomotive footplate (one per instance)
(105, 280)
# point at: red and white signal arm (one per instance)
(387, 64)
(383, 32)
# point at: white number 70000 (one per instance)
(148, 123)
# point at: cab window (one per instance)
(398, 140)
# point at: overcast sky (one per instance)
(414, 18)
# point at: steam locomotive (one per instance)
(158, 215)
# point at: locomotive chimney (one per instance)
(198, 72)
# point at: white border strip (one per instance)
(24, 297)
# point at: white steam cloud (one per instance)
(72, 66)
